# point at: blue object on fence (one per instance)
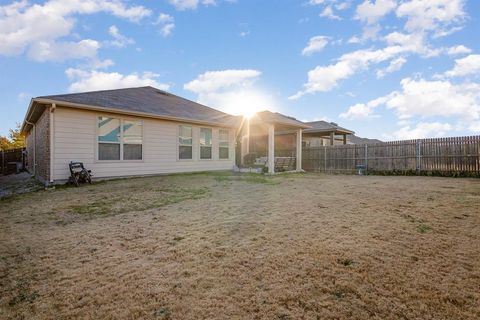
(361, 169)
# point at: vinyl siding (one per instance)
(75, 140)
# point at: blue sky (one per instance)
(388, 69)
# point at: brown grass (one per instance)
(216, 246)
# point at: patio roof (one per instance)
(278, 119)
(325, 127)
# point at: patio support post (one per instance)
(271, 149)
(332, 138)
(299, 150)
(344, 139)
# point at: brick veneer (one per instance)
(42, 148)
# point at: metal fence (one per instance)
(458, 156)
(13, 160)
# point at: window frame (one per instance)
(200, 144)
(121, 143)
(227, 141)
(184, 145)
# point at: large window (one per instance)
(185, 143)
(223, 143)
(205, 143)
(119, 139)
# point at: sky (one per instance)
(386, 69)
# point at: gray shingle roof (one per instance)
(324, 126)
(147, 100)
(275, 117)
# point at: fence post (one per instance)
(419, 156)
(366, 158)
(325, 159)
(3, 161)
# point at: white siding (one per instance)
(75, 140)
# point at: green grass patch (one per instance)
(246, 177)
(423, 228)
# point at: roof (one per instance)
(324, 126)
(148, 101)
(278, 118)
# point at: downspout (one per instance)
(52, 145)
(34, 146)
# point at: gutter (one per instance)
(132, 113)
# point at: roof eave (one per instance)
(133, 113)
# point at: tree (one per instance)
(15, 139)
(4, 143)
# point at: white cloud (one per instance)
(364, 110)
(325, 78)
(327, 12)
(191, 4)
(438, 15)
(343, 5)
(421, 130)
(215, 80)
(394, 65)
(119, 40)
(371, 12)
(59, 51)
(428, 99)
(231, 91)
(92, 80)
(461, 49)
(436, 98)
(25, 27)
(315, 44)
(469, 65)
(166, 23)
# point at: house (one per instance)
(323, 133)
(140, 131)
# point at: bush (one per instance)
(249, 159)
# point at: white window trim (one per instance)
(228, 141)
(200, 145)
(121, 119)
(179, 145)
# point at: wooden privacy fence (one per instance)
(12, 160)
(459, 156)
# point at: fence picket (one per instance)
(445, 156)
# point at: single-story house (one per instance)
(141, 131)
(323, 133)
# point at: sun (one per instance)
(249, 112)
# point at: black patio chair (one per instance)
(78, 173)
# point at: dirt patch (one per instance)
(221, 246)
(13, 184)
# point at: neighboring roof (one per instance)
(359, 140)
(324, 126)
(146, 100)
(278, 118)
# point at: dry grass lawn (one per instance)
(217, 246)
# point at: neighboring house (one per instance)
(323, 133)
(126, 132)
(143, 131)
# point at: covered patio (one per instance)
(323, 133)
(273, 140)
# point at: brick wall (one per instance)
(41, 143)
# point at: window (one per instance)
(205, 143)
(223, 143)
(185, 143)
(119, 139)
(132, 140)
